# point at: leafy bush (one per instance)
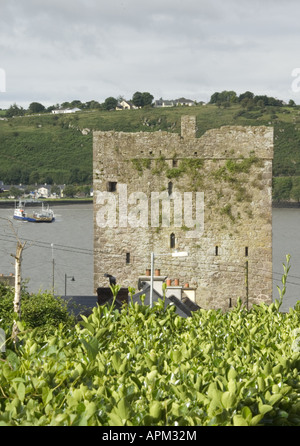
(148, 366)
(46, 312)
(6, 306)
(43, 311)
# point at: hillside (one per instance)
(51, 148)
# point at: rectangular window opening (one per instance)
(127, 258)
(112, 186)
(216, 250)
(246, 251)
(172, 241)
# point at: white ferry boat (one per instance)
(43, 215)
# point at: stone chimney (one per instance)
(158, 282)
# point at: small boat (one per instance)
(45, 215)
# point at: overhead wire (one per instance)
(86, 251)
(48, 245)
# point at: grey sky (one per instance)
(60, 50)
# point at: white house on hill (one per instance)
(126, 105)
(66, 110)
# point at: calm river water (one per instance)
(69, 242)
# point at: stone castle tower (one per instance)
(210, 196)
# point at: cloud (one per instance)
(60, 50)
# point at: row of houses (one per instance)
(182, 298)
(174, 103)
(128, 105)
(40, 191)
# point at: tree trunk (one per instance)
(18, 284)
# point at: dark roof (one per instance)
(80, 304)
(184, 307)
(184, 100)
(190, 304)
(180, 305)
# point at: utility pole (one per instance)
(53, 268)
(151, 280)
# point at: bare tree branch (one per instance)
(18, 279)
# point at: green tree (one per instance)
(34, 177)
(263, 99)
(260, 104)
(214, 99)
(137, 99)
(14, 110)
(142, 99)
(295, 191)
(147, 98)
(55, 190)
(282, 188)
(91, 105)
(66, 105)
(223, 97)
(246, 95)
(15, 192)
(247, 103)
(50, 109)
(76, 104)
(110, 103)
(36, 107)
(70, 191)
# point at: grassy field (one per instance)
(52, 148)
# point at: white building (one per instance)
(126, 105)
(43, 192)
(66, 110)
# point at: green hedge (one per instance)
(148, 366)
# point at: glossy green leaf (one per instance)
(123, 409)
(156, 409)
(256, 420)
(238, 420)
(91, 348)
(229, 400)
(246, 413)
(21, 391)
(275, 399)
(116, 360)
(115, 420)
(264, 408)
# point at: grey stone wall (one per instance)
(232, 168)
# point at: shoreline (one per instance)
(285, 204)
(8, 204)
